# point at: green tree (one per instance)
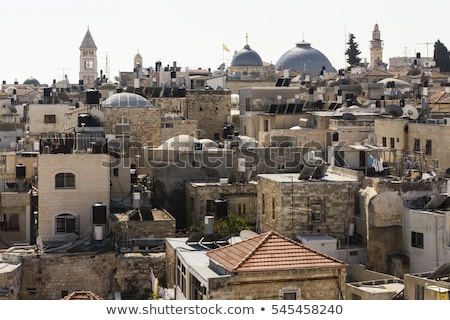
(352, 52)
(441, 56)
(232, 225)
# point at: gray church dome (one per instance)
(246, 57)
(125, 99)
(304, 59)
(32, 81)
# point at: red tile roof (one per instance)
(440, 97)
(271, 251)
(82, 295)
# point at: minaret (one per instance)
(88, 61)
(376, 48)
(138, 65)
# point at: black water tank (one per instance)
(84, 120)
(228, 131)
(92, 97)
(221, 208)
(20, 171)
(99, 213)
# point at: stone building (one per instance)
(254, 268)
(211, 109)
(132, 120)
(428, 285)
(416, 146)
(220, 199)
(289, 204)
(18, 172)
(382, 204)
(29, 273)
(68, 188)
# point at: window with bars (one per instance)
(66, 223)
(64, 180)
(417, 239)
(49, 118)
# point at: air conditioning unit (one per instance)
(446, 121)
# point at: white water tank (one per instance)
(99, 232)
(136, 200)
(209, 224)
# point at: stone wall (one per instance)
(211, 109)
(310, 284)
(53, 275)
(91, 186)
(288, 208)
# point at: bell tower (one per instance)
(376, 48)
(88, 61)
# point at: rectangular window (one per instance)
(392, 143)
(191, 203)
(384, 141)
(65, 223)
(417, 239)
(122, 128)
(116, 172)
(316, 214)
(49, 118)
(290, 295)
(417, 145)
(197, 290)
(64, 180)
(339, 160)
(210, 206)
(419, 292)
(428, 150)
(263, 204)
(242, 208)
(266, 125)
(273, 208)
(13, 223)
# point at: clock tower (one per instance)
(88, 61)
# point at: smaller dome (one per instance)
(32, 81)
(246, 57)
(181, 141)
(125, 100)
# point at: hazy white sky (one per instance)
(41, 39)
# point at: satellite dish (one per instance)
(394, 110)
(266, 102)
(362, 101)
(410, 112)
(349, 116)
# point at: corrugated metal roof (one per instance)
(271, 251)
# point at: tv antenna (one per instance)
(426, 43)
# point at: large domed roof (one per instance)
(32, 81)
(246, 57)
(125, 99)
(304, 59)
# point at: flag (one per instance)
(225, 48)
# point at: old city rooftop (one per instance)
(270, 251)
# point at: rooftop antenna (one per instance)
(426, 43)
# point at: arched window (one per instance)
(65, 223)
(64, 180)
